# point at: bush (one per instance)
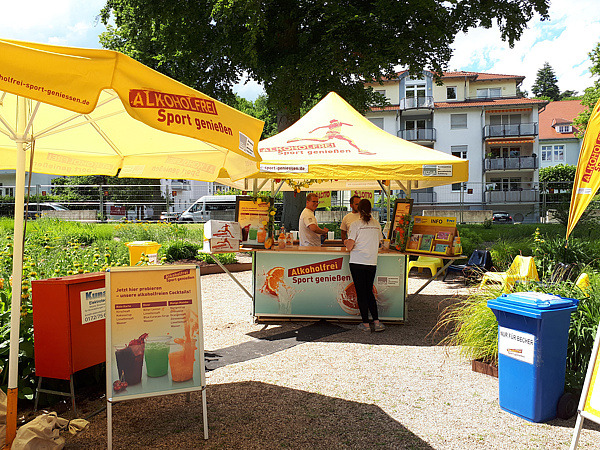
(224, 258)
(551, 250)
(179, 250)
(473, 326)
(504, 251)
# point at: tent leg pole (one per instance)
(389, 199)
(15, 311)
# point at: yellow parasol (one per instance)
(80, 111)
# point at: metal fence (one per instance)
(150, 202)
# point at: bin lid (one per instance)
(141, 243)
(537, 300)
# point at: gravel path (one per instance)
(395, 389)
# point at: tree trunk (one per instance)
(292, 208)
(292, 204)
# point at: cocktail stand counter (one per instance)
(315, 283)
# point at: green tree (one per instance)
(591, 94)
(301, 50)
(545, 85)
(298, 50)
(556, 184)
(259, 109)
(568, 95)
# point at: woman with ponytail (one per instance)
(364, 236)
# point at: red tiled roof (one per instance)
(475, 76)
(501, 102)
(491, 102)
(558, 113)
(480, 76)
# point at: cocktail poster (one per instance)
(154, 342)
(253, 216)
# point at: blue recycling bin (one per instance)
(533, 334)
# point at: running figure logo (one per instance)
(333, 132)
(223, 232)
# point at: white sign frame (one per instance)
(145, 272)
(588, 391)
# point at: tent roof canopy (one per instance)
(336, 145)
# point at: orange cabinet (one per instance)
(68, 324)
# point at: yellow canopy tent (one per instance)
(333, 147)
(71, 111)
(341, 149)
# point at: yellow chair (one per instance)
(583, 283)
(521, 269)
(426, 262)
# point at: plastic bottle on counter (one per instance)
(281, 240)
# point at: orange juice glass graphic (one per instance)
(182, 361)
(182, 364)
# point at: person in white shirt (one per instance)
(350, 217)
(309, 232)
(364, 236)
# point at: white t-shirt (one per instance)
(348, 219)
(306, 236)
(366, 237)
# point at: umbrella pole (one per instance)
(15, 311)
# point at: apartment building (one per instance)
(476, 116)
(558, 141)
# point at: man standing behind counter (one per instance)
(350, 217)
(309, 232)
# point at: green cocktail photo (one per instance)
(252, 234)
(157, 356)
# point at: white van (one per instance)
(210, 207)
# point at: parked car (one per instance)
(38, 209)
(501, 217)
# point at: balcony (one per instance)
(181, 185)
(516, 196)
(420, 135)
(518, 163)
(420, 197)
(515, 130)
(416, 103)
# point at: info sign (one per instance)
(589, 402)
(154, 342)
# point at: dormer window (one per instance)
(564, 128)
(451, 93)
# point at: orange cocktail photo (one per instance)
(181, 361)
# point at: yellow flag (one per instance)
(587, 176)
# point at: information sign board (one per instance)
(154, 337)
(252, 215)
(589, 402)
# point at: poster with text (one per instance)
(253, 215)
(369, 195)
(154, 331)
(324, 199)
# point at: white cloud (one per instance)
(61, 22)
(564, 41)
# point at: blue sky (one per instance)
(564, 41)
